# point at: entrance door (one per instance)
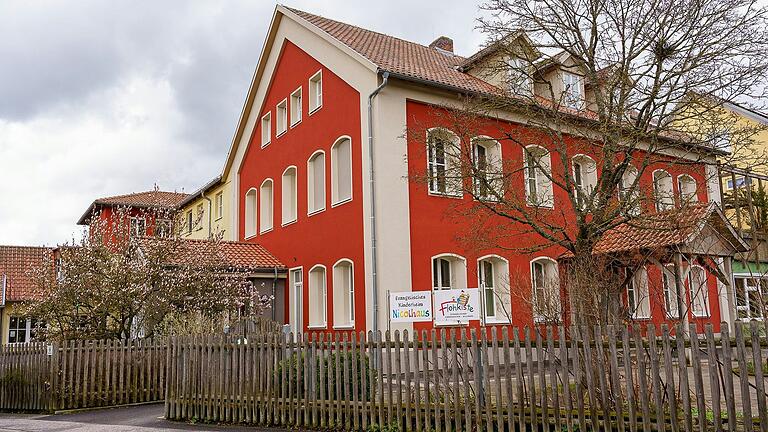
(296, 303)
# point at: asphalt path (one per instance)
(143, 418)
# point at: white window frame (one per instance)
(266, 206)
(687, 197)
(638, 289)
(315, 92)
(323, 297)
(493, 167)
(296, 107)
(573, 99)
(346, 293)
(312, 206)
(190, 221)
(542, 182)
(28, 328)
(219, 201)
(625, 185)
(555, 277)
(138, 220)
(335, 199)
(292, 199)
(659, 196)
(671, 302)
(281, 114)
(698, 293)
(452, 186)
(587, 177)
(746, 308)
(501, 299)
(457, 266)
(251, 212)
(520, 82)
(266, 129)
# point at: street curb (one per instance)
(82, 410)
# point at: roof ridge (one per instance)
(299, 12)
(139, 193)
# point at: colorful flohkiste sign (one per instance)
(415, 306)
(457, 306)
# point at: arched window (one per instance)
(442, 164)
(686, 187)
(629, 193)
(289, 193)
(546, 290)
(638, 299)
(487, 175)
(697, 285)
(493, 281)
(341, 171)
(316, 182)
(584, 178)
(250, 213)
(266, 207)
(663, 194)
(317, 297)
(671, 298)
(538, 172)
(449, 271)
(343, 294)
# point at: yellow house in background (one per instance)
(17, 284)
(208, 212)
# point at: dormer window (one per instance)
(519, 79)
(573, 91)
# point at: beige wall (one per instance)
(7, 311)
(208, 222)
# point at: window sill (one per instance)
(314, 212)
(315, 109)
(317, 327)
(336, 204)
(280, 134)
(345, 327)
(446, 195)
(456, 324)
(265, 145)
(545, 207)
(249, 237)
(641, 318)
(493, 321)
(218, 218)
(296, 123)
(290, 222)
(266, 231)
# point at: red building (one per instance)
(323, 160)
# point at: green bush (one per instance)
(328, 364)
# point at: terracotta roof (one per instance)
(148, 199)
(402, 57)
(17, 264)
(664, 229)
(239, 256)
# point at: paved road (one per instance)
(145, 418)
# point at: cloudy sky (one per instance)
(105, 98)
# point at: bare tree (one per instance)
(598, 93)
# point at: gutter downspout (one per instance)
(372, 186)
(210, 211)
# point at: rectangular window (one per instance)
(163, 228)
(697, 284)
(265, 206)
(282, 117)
(441, 274)
(21, 330)
(199, 216)
(316, 183)
(266, 129)
(487, 284)
(638, 299)
(289, 196)
(749, 295)
(316, 91)
(341, 171)
(670, 292)
(138, 227)
(573, 91)
(190, 222)
(296, 106)
(538, 170)
(297, 281)
(437, 166)
(219, 202)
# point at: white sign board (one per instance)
(413, 306)
(457, 306)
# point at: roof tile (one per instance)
(17, 263)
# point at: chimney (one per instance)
(443, 43)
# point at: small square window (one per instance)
(316, 91)
(282, 117)
(296, 107)
(266, 129)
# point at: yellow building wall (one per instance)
(207, 220)
(6, 322)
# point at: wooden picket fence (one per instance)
(81, 374)
(540, 379)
